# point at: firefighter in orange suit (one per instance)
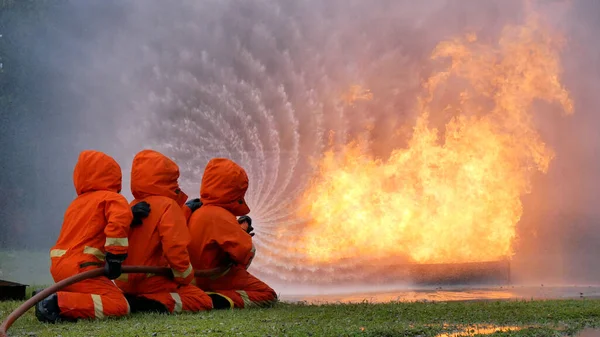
(94, 234)
(218, 240)
(160, 241)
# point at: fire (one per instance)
(452, 196)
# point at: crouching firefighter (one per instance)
(161, 241)
(221, 241)
(93, 234)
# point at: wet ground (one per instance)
(479, 330)
(452, 294)
(490, 330)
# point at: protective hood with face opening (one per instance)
(154, 174)
(224, 184)
(96, 171)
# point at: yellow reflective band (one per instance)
(231, 305)
(121, 242)
(244, 295)
(128, 308)
(57, 252)
(98, 308)
(94, 251)
(253, 251)
(194, 281)
(185, 274)
(178, 304)
(123, 278)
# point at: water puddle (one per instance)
(482, 330)
(454, 294)
(479, 330)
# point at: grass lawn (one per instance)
(525, 318)
(443, 319)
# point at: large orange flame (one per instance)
(451, 197)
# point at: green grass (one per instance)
(536, 318)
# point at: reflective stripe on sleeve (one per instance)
(253, 251)
(184, 274)
(120, 242)
(216, 276)
(57, 252)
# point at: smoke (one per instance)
(260, 82)
(559, 229)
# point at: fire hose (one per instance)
(87, 275)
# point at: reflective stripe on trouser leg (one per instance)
(245, 298)
(92, 298)
(178, 305)
(98, 308)
(94, 251)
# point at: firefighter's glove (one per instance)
(246, 223)
(194, 204)
(112, 267)
(140, 211)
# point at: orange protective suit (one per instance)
(162, 238)
(187, 213)
(96, 222)
(219, 241)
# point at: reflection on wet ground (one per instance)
(482, 330)
(454, 294)
(479, 330)
(446, 294)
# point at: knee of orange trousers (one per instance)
(147, 285)
(63, 269)
(89, 305)
(98, 285)
(247, 299)
(236, 279)
(92, 298)
(184, 298)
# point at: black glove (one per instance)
(112, 267)
(248, 220)
(140, 211)
(194, 204)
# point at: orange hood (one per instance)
(96, 171)
(154, 174)
(224, 184)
